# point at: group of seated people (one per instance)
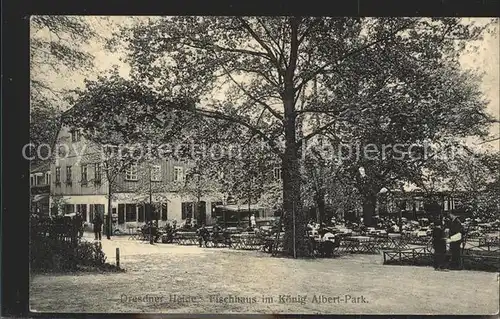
(151, 229)
(217, 236)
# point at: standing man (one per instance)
(253, 224)
(203, 235)
(455, 241)
(439, 245)
(78, 222)
(97, 226)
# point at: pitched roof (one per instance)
(40, 167)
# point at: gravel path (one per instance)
(186, 279)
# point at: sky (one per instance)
(486, 60)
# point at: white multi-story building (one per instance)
(79, 183)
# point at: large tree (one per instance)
(252, 71)
(473, 177)
(404, 129)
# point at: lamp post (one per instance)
(362, 174)
(197, 213)
(151, 241)
(249, 202)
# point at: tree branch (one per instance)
(242, 122)
(257, 38)
(268, 33)
(197, 44)
(265, 105)
(308, 30)
(350, 54)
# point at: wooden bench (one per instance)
(403, 256)
(424, 256)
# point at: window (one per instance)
(141, 214)
(96, 209)
(97, 173)
(47, 178)
(156, 173)
(148, 212)
(32, 180)
(84, 174)
(68, 175)
(277, 173)
(156, 212)
(131, 215)
(58, 175)
(213, 212)
(75, 136)
(164, 212)
(178, 174)
(82, 208)
(69, 208)
(201, 213)
(187, 210)
(131, 172)
(121, 213)
(39, 179)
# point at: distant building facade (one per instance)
(79, 184)
(40, 180)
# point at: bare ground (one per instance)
(163, 270)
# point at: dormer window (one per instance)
(75, 135)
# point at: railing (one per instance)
(59, 229)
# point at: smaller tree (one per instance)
(476, 175)
(57, 205)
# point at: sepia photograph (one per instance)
(264, 165)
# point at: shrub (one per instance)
(48, 254)
(90, 254)
(55, 247)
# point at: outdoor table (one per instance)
(220, 239)
(360, 244)
(489, 242)
(134, 233)
(186, 238)
(391, 241)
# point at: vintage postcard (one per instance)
(264, 165)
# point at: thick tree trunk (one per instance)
(319, 198)
(369, 206)
(294, 217)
